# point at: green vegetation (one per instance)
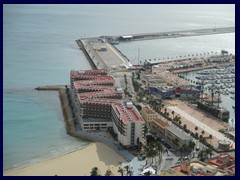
(205, 154)
(95, 172)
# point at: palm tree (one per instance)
(208, 152)
(183, 149)
(150, 152)
(108, 172)
(180, 122)
(165, 111)
(185, 126)
(159, 149)
(127, 168)
(173, 114)
(196, 128)
(176, 142)
(148, 173)
(202, 155)
(196, 134)
(203, 132)
(163, 106)
(95, 172)
(191, 146)
(120, 170)
(210, 137)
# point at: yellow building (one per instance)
(148, 114)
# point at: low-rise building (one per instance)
(148, 114)
(172, 133)
(198, 168)
(222, 161)
(159, 126)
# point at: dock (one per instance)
(173, 34)
(102, 54)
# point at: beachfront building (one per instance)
(128, 124)
(172, 133)
(100, 106)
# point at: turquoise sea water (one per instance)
(39, 48)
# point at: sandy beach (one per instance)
(78, 163)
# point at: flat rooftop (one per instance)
(161, 122)
(178, 133)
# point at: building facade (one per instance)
(100, 106)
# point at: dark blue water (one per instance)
(39, 48)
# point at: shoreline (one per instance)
(76, 163)
(27, 165)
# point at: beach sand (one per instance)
(78, 163)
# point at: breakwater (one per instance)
(81, 45)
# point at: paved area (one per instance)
(203, 126)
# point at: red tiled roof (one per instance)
(160, 122)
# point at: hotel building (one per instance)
(100, 106)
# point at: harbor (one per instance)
(103, 55)
(82, 85)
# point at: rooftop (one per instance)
(178, 133)
(161, 122)
(148, 110)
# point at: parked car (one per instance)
(141, 157)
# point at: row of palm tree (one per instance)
(153, 150)
(127, 170)
(184, 56)
(205, 154)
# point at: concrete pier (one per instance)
(102, 54)
(50, 87)
(174, 34)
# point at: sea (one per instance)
(39, 49)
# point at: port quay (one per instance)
(103, 55)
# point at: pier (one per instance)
(172, 34)
(102, 54)
(50, 87)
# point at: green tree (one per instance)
(95, 172)
(173, 114)
(159, 149)
(121, 171)
(208, 152)
(129, 170)
(176, 142)
(180, 122)
(210, 137)
(148, 173)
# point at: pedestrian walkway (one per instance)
(109, 142)
(203, 126)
